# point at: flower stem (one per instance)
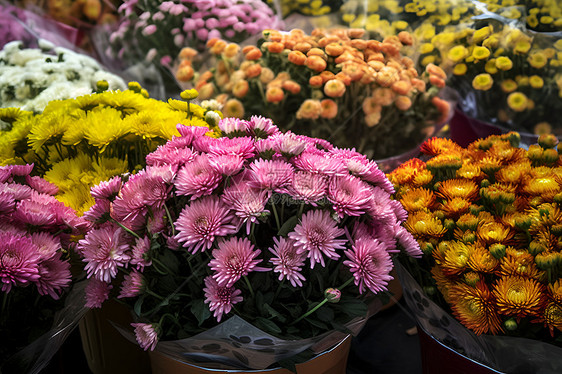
(321, 303)
(276, 216)
(249, 286)
(125, 228)
(170, 219)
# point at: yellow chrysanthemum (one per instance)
(456, 258)
(518, 296)
(423, 224)
(555, 291)
(417, 199)
(454, 188)
(552, 316)
(480, 53)
(537, 60)
(482, 82)
(518, 262)
(474, 308)
(490, 66)
(535, 81)
(508, 85)
(546, 185)
(426, 48)
(481, 34)
(104, 126)
(482, 261)
(470, 171)
(10, 115)
(47, 129)
(457, 53)
(513, 173)
(495, 232)
(504, 63)
(517, 101)
(467, 222)
(460, 69)
(78, 198)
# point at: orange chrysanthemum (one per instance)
(552, 317)
(404, 173)
(422, 178)
(465, 189)
(494, 232)
(546, 186)
(443, 283)
(482, 261)
(505, 152)
(417, 199)
(455, 207)
(490, 165)
(513, 173)
(518, 296)
(423, 224)
(445, 160)
(456, 258)
(518, 262)
(436, 146)
(474, 308)
(467, 222)
(499, 193)
(470, 171)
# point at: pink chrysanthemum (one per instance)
(47, 244)
(320, 163)
(261, 127)
(399, 211)
(308, 187)
(140, 253)
(146, 335)
(243, 147)
(203, 144)
(407, 241)
(104, 249)
(107, 190)
(41, 185)
(197, 178)
(270, 175)
(157, 221)
(19, 260)
(201, 222)
(191, 133)
(226, 164)
(166, 155)
(32, 213)
(232, 126)
(380, 206)
(316, 236)
(54, 275)
(370, 265)
(266, 147)
(18, 191)
(369, 171)
(7, 203)
(133, 285)
(234, 259)
(288, 261)
(248, 203)
(20, 170)
(220, 298)
(350, 195)
(97, 292)
(347, 154)
(289, 144)
(99, 212)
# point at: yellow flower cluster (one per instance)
(489, 220)
(332, 84)
(503, 74)
(77, 143)
(306, 7)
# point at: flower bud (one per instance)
(546, 260)
(429, 290)
(427, 248)
(469, 237)
(535, 152)
(556, 229)
(536, 247)
(485, 183)
(134, 86)
(510, 324)
(497, 250)
(332, 294)
(548, 141)
(449, 224)
(471, 278)
(101, 86)
(189, 94)
(550, 156)
(523, 222)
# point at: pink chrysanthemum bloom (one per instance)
(270, 175)
(369, 171)
(201, 222)
(41, 185)
(29, 212)
(399, 211)
(289, 144)
(232, 126)
(350, 195)
(20, 170)
(19, 260)
(319, 163)
(47, 244)
(157, 222)
(146, 335)
(234, 259)
(243, 147)
(288, 261)
(266, 147)
(261, 127)
(107, 190)
(381, 207)
(133, 285)
(99, 212)
(316, 236)
(370, 265)
(226, 164)
(308, 187)
(407, 241)
(197, 178)
(54, 275)
(203, 144)
(347, 154)
(220, 298)
(7, 203)
(104, 249)
(97, 292)
(166, 155)
(248, 203)
(191, 133)
(140, 253)
(18, 191)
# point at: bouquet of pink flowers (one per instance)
(282, 232)
(36, 233)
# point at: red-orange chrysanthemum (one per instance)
(436, 146)
(455, 207)
(482, 261)
(518, 296)
(463, 188)
(404, 173)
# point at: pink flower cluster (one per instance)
(159, 30)
(225, 201)
(34, 229)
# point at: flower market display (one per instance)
(255, 230)
(332, 84)
(32, 77)
(36, 237)
(487, 218)
(77, 143)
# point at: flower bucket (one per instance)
(106, 350)
(332, 361)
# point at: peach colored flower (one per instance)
(316, 63)
(403, 102)
(240, 88)
(334, 88)
(329, 109)
(274, 94)
(297, 57)
(309, 109)
(402, 87)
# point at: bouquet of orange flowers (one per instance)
(488, 219)
(331, 84)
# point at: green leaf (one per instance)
(288, 226)
(260, 302)
(325, 313)
(274, 313)
(353, 307)
(316, 323)
(267, 325)
(200, 310)
(138, 305)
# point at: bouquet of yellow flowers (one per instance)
(331, 84)
(488, 220)
(506, 77)
(77, 143)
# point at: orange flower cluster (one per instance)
(489, 220)
(330, 84)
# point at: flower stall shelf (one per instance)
(40, 301)
(333, 84)
(256, 250)
(487, 218)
